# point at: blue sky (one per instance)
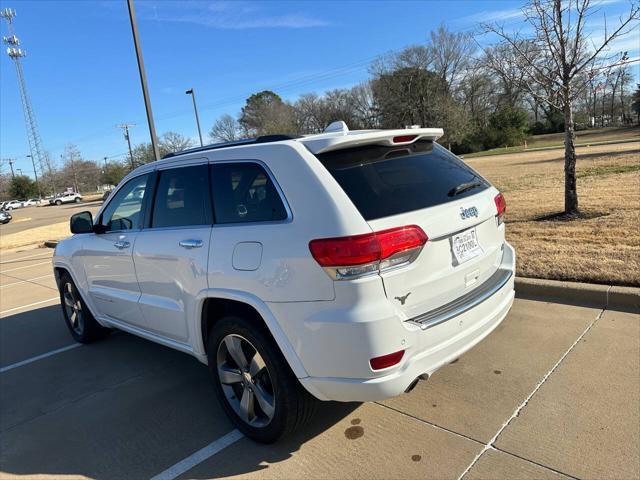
(82, 76)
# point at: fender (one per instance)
(270, 320)
(58, 263)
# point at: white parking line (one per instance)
(200, 456)
(27, 280)
(39, 255)
(30, 305)
(25, 266)
(516, 412)
(39, 357)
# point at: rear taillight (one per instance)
(501, 206)
(386, 361)
(350, 257)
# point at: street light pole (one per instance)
(13, 175)
(35, 173)
(195, 109)
(143, 79)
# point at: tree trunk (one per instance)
(570, 190)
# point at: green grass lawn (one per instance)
(596, 136)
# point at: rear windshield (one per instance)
(384, 181)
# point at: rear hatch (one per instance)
(425, 185)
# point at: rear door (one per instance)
(172, 251)
(423, 184)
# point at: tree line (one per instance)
(554, 79)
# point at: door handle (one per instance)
(190, 243)
(120, 244)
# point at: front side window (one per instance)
(124, 211)
(244, 192)
(182, 198)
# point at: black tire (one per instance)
(85, 329)
(294, 406)
(77, 200)
(58, 202)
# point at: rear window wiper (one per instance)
(463, 187)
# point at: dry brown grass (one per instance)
(56, 231)
(604, 247)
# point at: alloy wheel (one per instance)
(245, 381)
(73, 308)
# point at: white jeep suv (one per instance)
(340, 266)
(67, 197)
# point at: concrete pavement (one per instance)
(552, 393)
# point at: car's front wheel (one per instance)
(58, 202)
(77, 200)
(83, 326)
(253, 381)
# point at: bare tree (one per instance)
(225, 129)
(450, 53)
(556, 57)
(171, 142)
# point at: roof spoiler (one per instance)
(337, 136)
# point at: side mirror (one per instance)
(81, 223)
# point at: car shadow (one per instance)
(123, 407)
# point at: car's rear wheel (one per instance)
(83, 326)
(253, 381)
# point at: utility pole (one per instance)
(33, 135)
(126, 127)
(11, 162)
(143, 80)
(105, 162)
(195, 109)
(35, 173)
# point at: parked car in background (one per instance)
(340, 266)
(68, 197)
(5, 217)
(12, 204)
(31, 202)
(106, 194)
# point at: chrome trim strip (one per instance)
(466, 302)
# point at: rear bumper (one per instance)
(427, 349)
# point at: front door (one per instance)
(108, 256)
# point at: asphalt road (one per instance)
(552, 393)
(31, 217)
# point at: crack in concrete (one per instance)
(491, 444)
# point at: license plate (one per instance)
(465, 246)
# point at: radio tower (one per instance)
(15, 53)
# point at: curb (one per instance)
(586, 294)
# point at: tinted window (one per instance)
(182, 198)
(124, 211)
(384, 181)
(244, 192)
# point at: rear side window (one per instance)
(244, 192)
(182, 198)
(384, 181)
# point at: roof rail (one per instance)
(234, 143)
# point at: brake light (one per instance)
(349, 257)
(386, 361)
(501, 206)
(404, 138)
